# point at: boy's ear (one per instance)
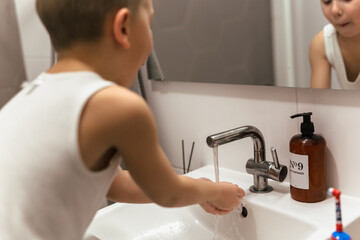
(121, 27)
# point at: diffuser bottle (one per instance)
(307, 163)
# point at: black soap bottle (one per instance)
(307, 163)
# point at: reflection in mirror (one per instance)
(214, 41)
(337, 46)
(263, 42)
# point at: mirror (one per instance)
(262, 42)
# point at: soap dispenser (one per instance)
(307, 163)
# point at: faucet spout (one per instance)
(240, 133)
(257, 166)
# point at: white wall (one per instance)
(192, 111)
(35, 41)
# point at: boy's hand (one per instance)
(228, 199)
(209, 208)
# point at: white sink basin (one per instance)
(353, 229)
(270, 216)
(142, 222)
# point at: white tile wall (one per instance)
(192, 111)
(337, 118)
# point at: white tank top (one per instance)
(46, 192)
(336, 60)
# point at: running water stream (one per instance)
(216, 163)
(216, 167)
(240, 211)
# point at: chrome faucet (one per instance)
(257, 166)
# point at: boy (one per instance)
(337, 46)
(62, 136)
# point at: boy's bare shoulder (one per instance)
(109, 118)
(116, 109)
(118, 101)
(119, 93)
(318, 44)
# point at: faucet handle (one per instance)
(275, 157)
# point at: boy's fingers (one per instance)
(240, 192)
(209, 208)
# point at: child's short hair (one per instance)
(73, 21)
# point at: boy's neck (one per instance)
(70, 65)
(349, 40)
(98, 59)
(81, 57)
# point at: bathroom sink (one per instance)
(142, 222)
(353, 229)
(270, 216)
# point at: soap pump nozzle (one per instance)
(307, 127)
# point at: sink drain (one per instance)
(244, 212)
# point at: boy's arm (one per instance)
(320, 67)
(132, 131)
(124, 189)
